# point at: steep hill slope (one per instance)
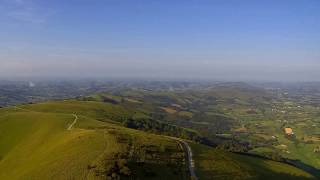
(38, 145)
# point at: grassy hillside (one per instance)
(35, 143)
(216, 164)
(96, 110)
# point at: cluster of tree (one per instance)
(217, 123)
(115, 170)
(158, 127)
(234, 146)
(275, 156)
(110, 100)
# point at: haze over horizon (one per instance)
(221, 40)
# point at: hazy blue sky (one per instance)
(206, 39)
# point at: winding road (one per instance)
(69, 128)
(189, 157)
(19, 108)
(74, 122)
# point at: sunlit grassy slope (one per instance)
(35, 144)
(96, 110)
(217, 164)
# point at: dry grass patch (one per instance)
(169, 110)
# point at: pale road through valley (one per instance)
(189, 157)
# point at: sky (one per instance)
(263, 40)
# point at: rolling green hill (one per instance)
(35, 143)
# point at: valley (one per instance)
(220, 131)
